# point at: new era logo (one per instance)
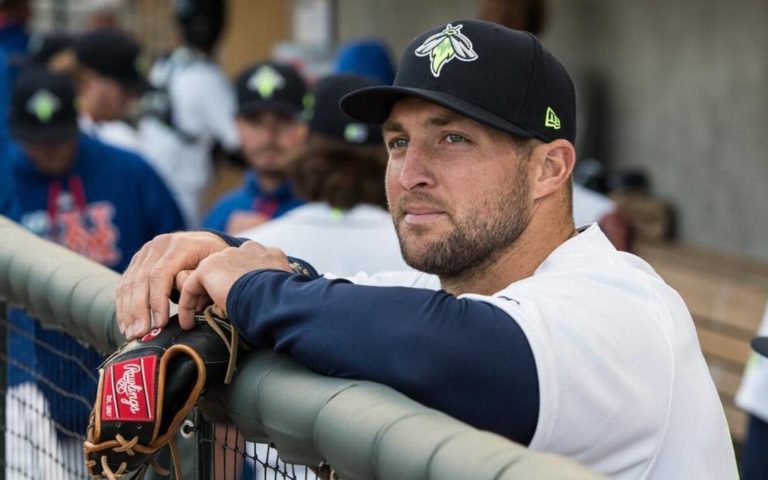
(551, 119)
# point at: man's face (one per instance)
(268, 139)
(458, 190)
(51, 158)
(102, 98)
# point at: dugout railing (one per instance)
(361, 429)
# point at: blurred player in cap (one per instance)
(270, 101)
(345, 228)
(181, 124)
(110, 79)
(524, 325)
(96, 200)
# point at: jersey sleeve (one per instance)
(463, 357)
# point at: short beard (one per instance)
(478, 241)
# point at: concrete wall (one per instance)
(679, 88)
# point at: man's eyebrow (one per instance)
(444, 120)
(437, 121)
(392, 126)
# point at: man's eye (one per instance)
(455, 138)
(398, 143)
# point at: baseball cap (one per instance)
(115, 55)
(497, 76)
(326, 118)
(43, 107)
(760, 345)
(270, 86)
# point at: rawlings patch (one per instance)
(129, 392)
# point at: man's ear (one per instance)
(553, 166)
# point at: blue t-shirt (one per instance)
(251, 198)
(106, 207)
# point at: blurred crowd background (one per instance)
(222, 114)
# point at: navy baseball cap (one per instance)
(270, 87)
(760, 345)
(327, 119)
(43, 107)
(115, 55)
(494, 75)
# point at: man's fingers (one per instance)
(124, 291)
(192, 296)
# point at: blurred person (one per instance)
(270, 102)
(190, 108)
(109, 79)
(345, 227)
(752, 397)
(368, 57)
(593, 207)
(14, 36)
(99, 201)
(98, 14)
(45, 49)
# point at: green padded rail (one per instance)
(364, 430)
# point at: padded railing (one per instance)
(364, 430)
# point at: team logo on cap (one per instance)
(445, 46)
(43, 104)
(266, 80)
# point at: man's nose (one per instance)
(415, 171)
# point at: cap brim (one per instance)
(37, 134)
(373, 105)
(760, 345)
(269, 106)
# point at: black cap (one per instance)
(43, 47)
(115, 55)
(497, 76)
(760, 345)
(43, 107)
(326, 118)
(201, 21)
(270, 86)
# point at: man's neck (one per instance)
(519, 261)
(269, 182)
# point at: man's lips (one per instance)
(421, 215)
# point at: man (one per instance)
(345, 227)
(528, 328)
(110, 79)
(269, 105)
(96, 200)
(190, 110)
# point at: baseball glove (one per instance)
(148, 387)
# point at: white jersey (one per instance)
(116, 133)
(203, 110)
(343, 242)
(589, 206)
(753, 393)
(624, 388)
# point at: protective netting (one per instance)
(49, 383)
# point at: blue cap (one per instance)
(369, 58)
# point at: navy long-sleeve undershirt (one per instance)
(466, 358)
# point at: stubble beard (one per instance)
(476, 241)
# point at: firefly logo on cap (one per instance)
(445, 46)
(43, 104)
(266, 80)
(551, 119)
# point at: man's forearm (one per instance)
(464, 357)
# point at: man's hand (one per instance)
(213, 278)
(144, 289)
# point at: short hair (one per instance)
(340, 174)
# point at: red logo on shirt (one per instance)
(129, 390)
